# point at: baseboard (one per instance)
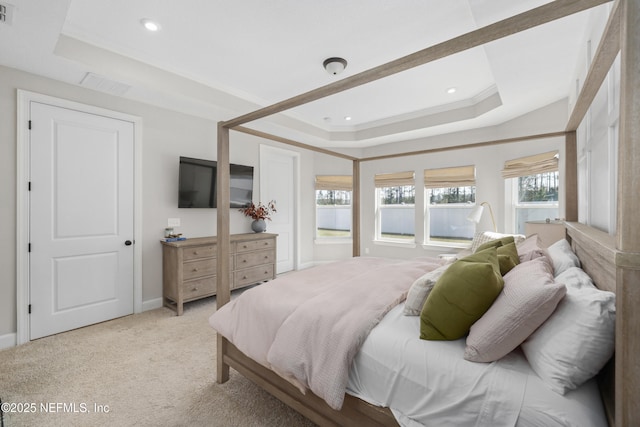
(8, 340)
(151, 304)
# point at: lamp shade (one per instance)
(476, 214)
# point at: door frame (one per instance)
(296, 194)
(23, 157)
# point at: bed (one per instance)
(613, 262)
(346, 327)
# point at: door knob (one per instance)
(128, 242)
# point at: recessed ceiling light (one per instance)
(451, 90)
(347, 118)
(150, 25)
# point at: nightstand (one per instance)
(549, 232)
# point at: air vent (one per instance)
(6, 13)
(94, 81)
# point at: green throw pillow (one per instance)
(495, 243)
(464, 292)
(507, 257)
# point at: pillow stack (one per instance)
(578, 339)
(506, 295)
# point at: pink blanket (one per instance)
(307, 326)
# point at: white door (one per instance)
(278, 178)
(81, 219)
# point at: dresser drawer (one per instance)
(199, 268)
(197, 288)
(250, 259)
(253, 245)
(253, 275)
(206, 251)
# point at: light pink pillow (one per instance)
(528, 298)
(531, 248)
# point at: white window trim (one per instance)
(378, 239)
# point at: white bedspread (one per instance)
(307, 326)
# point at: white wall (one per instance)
(166, 136)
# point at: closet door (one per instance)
(81, 219)
(278, 178)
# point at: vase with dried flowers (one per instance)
(259, 213)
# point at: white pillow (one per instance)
(420, 289)
(562, 256)
(576, 341)
(575, 278)
(528, 298)
(482, 237)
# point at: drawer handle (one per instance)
(244, 277)
(266, 272)
(244, 247)
(266, 257)
(244, 260)
(194, 289)
(266, 243)
(195, 252)
(195, 269)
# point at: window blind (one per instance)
(462, 176)
(531, 165)
(396, 179)
(334, 182)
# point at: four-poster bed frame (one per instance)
(612, 261)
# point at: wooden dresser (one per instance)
(189, 266)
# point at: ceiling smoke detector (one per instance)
(334, 66)
(6, 13)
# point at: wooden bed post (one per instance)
(571, 177)
(628, 225)
(355, 209)
(223, 199)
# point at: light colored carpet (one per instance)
(148, 369)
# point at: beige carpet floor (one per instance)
(148, 369)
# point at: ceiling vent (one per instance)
(6, 13)
(94, 81)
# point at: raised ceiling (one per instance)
(221, 59)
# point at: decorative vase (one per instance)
(259, 225)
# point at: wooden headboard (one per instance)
(606, 265)
(597, 253)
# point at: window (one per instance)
(333, 206)
(536, 198)
(534, 185)
(451, 196)
(395, 213)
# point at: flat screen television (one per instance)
(197, 184)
